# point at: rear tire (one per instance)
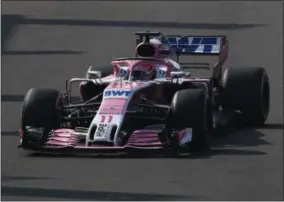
(247, 89)
(41, 113)
(191, 109)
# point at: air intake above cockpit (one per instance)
(145, 50)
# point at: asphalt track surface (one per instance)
(44, 43)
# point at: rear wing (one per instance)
(202, 45)
(198, 45)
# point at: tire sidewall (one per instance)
(41, 109)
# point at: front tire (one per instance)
(191, 109)
(40, 114)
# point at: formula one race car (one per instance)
(149, 102)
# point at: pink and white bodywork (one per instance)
(113, 110)
(122, 91)
(118, 96)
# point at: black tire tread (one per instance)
(189, 109)
(242, 87)
(40, 110)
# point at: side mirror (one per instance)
(91, 74)
(179, 74)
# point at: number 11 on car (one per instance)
(107, 119)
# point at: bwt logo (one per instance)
(118, 93)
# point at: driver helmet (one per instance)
(143, 73)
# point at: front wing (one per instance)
(65, 141)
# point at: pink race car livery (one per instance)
(149, 102)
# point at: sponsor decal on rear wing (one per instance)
(202, 45)
(198, 45)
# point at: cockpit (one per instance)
(142, 72)
(151, 50)
(139, 73)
